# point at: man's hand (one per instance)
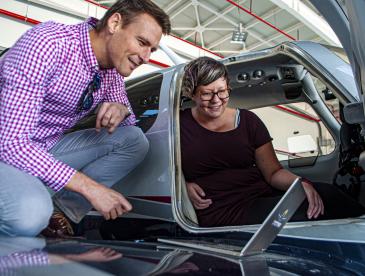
(196, 195)
(108, 202)
(316, 206)
(110, 115)
(100, 254)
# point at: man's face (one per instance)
(132, 45)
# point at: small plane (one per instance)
(301, 82)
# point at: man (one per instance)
(52, 77)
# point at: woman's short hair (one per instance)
(129, 9)
(202, 71)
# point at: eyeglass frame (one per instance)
(87, 99)
(216, 93)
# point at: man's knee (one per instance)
(136, 141)
(30, 214)
(142, 143)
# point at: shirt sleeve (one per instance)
(260, 134)
(23, 259)
(26, 71)
(118, 94)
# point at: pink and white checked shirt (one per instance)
(9, 263)
(42, 78)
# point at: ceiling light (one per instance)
(239, 35)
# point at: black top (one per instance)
(223, 165)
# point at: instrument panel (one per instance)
(250, 77)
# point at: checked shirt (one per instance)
(42, 78)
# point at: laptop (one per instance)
(264, 236)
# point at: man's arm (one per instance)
(108, 202)
(26, 71)
(19, 113)
(36, 257)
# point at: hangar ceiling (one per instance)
(210, 23)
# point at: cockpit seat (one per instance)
(187, 207)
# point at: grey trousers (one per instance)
(25, 204)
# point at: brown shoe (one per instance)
(58, 227)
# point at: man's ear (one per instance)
(115, 22)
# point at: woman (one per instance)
(233, 175)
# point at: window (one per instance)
(328, 98)
(297, 131)
(144, 96)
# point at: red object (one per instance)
(306, 180)
(162, 199)
(19, 17)
(305, 116)
(357, 171)
(158, 63)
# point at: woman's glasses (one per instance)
(87, 99)
(208, 96)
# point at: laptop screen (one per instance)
(276, 220)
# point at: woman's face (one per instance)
(212, 99)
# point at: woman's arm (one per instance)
(281, 179)
(271, 169)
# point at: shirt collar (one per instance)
(86, 48)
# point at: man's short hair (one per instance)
(129, 9)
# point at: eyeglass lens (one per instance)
(208, 96)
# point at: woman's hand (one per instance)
(316, 206)
(196, 195)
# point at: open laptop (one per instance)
(264, 236)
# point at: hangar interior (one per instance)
(199, 28)
(206, 28)
(218, 29)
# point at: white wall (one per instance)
(282, 125)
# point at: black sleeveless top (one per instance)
(223, 165)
